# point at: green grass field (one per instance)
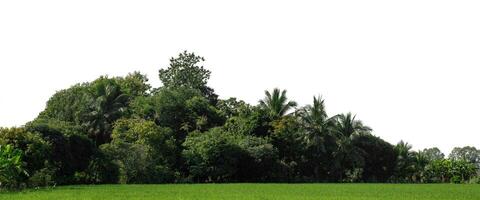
(254, 191)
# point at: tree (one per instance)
(134, 85)
(347, 156)
(69, 105)
(432, 154)
(346, 126)
(184, 72)
(159, 140)
(232, 107)
(447, 170)
(405, 162)
(378, 156)
(287, 137)
(107, 104)
(251, 120)
(261, 164)
(276, 103)
(183, 110)
(468, 153)
(319, 138)
(71, 151)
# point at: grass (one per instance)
(254, 191)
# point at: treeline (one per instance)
(121, 130)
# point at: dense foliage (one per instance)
(121, 130)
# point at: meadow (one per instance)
(254, 191)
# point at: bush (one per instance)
(143, 151)
(11, 167)
(42, 178)
(213, 156)
(101, 169)
(475, 179)
(71, 151)
(220, 156)
(35, 149)
(454, 171)
(379, 157)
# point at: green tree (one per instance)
(287, 137)
(347, 157)
(405, 162)
(378, 157)
(346, 126)
(69, 105)
(232, 107)
(107, 104)
(159, 140)
(183, 110)
(276, 103)
(468, 153)
(319, 138)
(184, 71)
(71, 151)
(447, 170)
(432, 154)
(251, 120)
(134, 85)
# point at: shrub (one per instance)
(11, 167)
(42, 178)
(71, 151)
(213, 156)
(101, 169)
(35, 149)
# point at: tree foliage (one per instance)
(123, 130)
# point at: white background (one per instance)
(408, 69)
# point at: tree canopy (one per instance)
(123, 130)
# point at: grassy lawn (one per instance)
(254, 191)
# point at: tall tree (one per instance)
(432, 154)
(405, 163)
(134, 84)
(108, 103)
(320, 141)
(467, 153)
(185, 71)
(315, 121)
(378, 157)
(347, 156)
(276, 103)
(347, 125)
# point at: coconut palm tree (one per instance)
(347, 155)
(347, 126)
(405, 161)
(276, 103)
(108, 104)
(316, 121)
(317, 135)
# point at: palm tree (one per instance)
(316, 121)
(405, 161)
(318, 128)
(347, 126)
(276, 103)
(108, 104)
